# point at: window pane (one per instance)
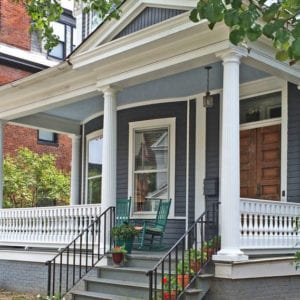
(58, 51)
(148, 187)
(94, 190)
(95, 147)
(151, 149)
(260, 108)
(59, 30)
(47, 136)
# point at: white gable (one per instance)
(136, 15)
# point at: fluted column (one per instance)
(230, 161)
(2, 125)
(109, 161)
(75, 168)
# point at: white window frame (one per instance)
(91, 136)
(153, 124)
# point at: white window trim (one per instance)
(89, 137)
(152, 124)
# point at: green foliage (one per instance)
(249, 21)
(124, 232)
(30, 180)
(44, 12)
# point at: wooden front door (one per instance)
(260, 162)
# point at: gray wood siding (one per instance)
(148, 17)
(211, 184)
(293, 165)
(168, 110)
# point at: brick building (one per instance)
(22, 55)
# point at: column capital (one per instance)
(108, 89)
(232, 54)
(74, 136)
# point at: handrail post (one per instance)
(48, 263)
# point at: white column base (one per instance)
(230, 255)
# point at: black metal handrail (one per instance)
(181, 265)
(81, 255)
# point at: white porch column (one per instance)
(2, 125)
(230, 161)
(75, 167)
(109, 155)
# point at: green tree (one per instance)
(248, 21)
(33, 180)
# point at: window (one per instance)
(47, 137)
(94, 167)
(151, 163)
(65, 30)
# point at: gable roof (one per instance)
(136, 15)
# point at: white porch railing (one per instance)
(42, 226)
(269, 224)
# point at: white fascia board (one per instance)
(154, 33)
(261, 55)
(165, 67)
(48, 122)
(37, 77)
(35, 57)
(130, 10)
(172, 4)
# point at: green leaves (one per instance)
(278, 22)
(30, 179)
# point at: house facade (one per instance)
(21, 55)
(131, 96)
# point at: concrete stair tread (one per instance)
(103, 296)
(125, 269)
(117, 282)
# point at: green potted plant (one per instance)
(195, 257)
(118, 253)
(183, 272)
(124, 235)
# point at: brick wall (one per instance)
(9, 74)
(14, 24)
(17, 136)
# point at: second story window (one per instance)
(65, 30)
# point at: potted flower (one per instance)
(118, 253)
(195, 257)
(124, 235)
(183, 272)
(170, 287)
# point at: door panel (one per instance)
(260, 162)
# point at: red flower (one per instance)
(165, 280)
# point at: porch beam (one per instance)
(230, 162)
(75, 170)
(109, 155)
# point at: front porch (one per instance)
(266, 227)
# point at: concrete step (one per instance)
(125, 273)
(139, 260)
(86, 295)
(118, 287)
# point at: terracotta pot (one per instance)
(169, 296)
(183, 280)
(209, 252)
(117, 257)
(195, 266)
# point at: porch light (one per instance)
(208, 100)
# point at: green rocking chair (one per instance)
(152, 232)
(122, 211)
